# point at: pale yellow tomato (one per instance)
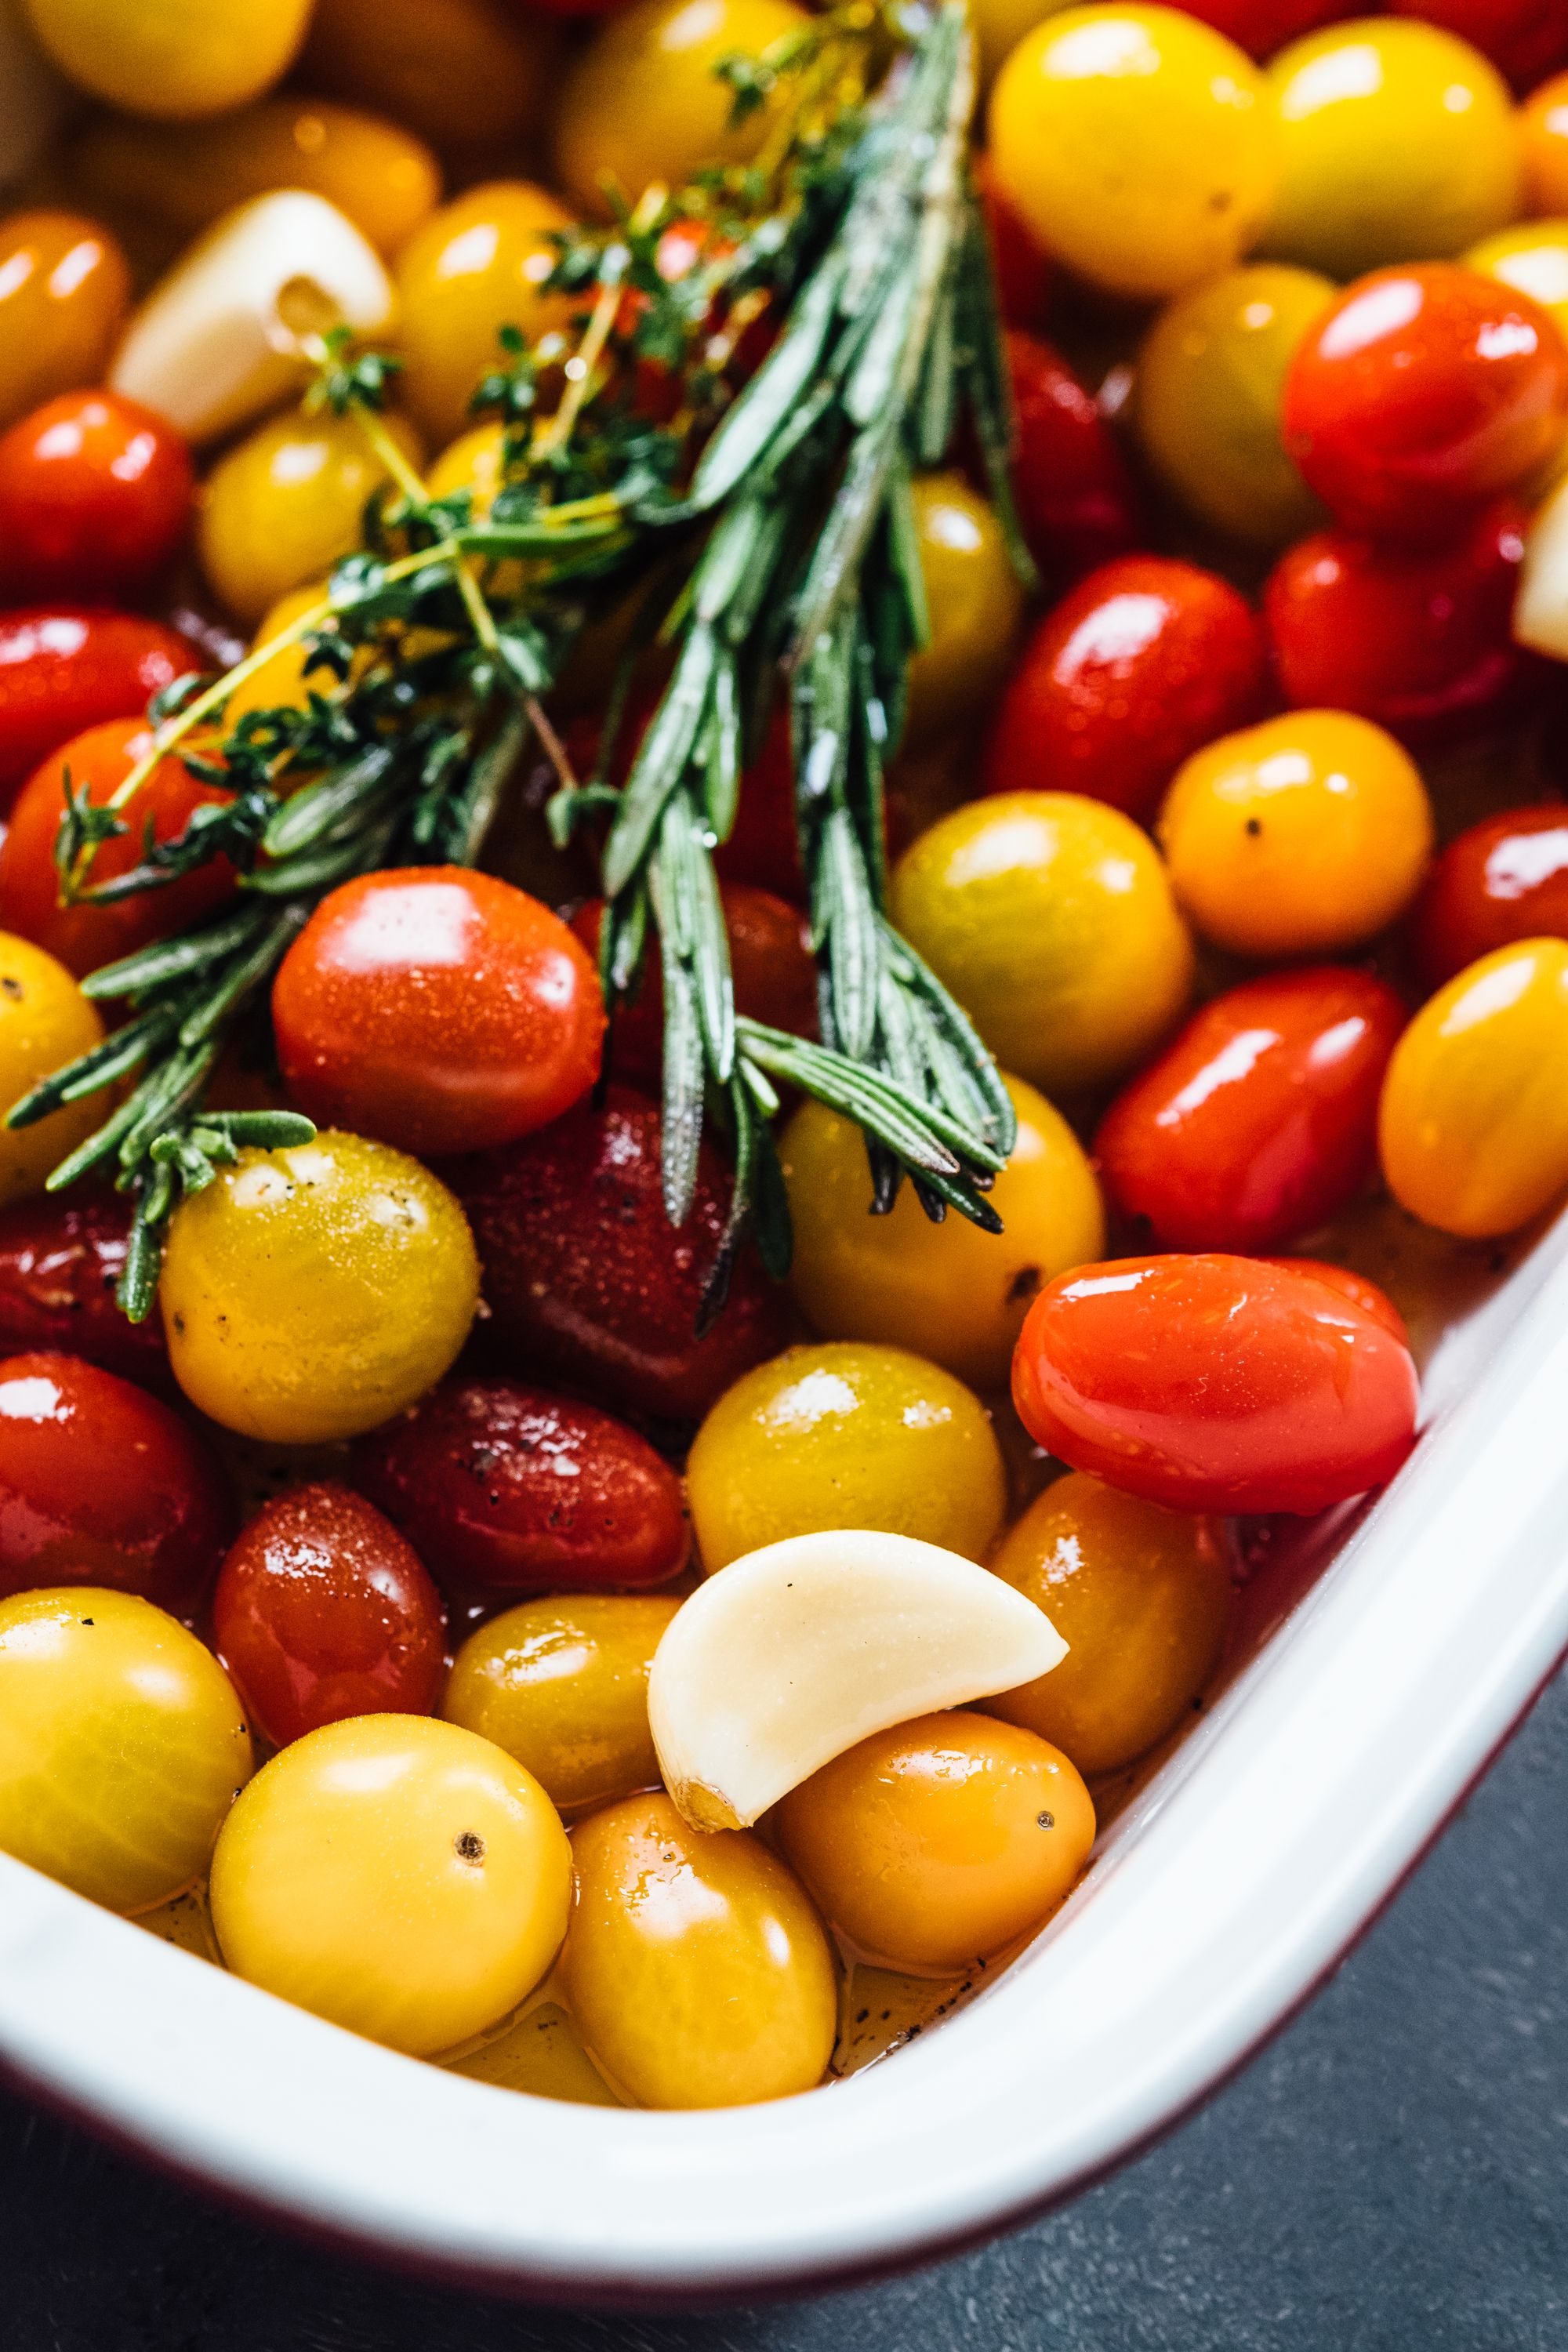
(476, 266)
(170, 57)
(974, 603)
(288, 501)
(45, 1022)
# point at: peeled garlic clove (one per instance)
(787, 1657)
(1541, 607)
(225, 334)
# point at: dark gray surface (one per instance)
(1391, 2175)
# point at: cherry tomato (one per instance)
(1523, 39)
(478, 264)
(770, 965)
(282, 505)
(149, 62)
(1416, 638)
(1261, 1120)
(1543, 131)
(437, 1008)
(86, 937)
(765, 847)
(974, 603)
(1022, 271)
(322, 1611)
(100, 1484)
(95, 494)
(465, 74)
(1214, 1383)
(1143, 662)
(507, 1489)
(64, 668)
(1352, 1286)
(1076, 498)
(1505, 880)
(60, 1257)
(45, 1022)
(1261, 27)
(583, 1276)
(1423, 392)
(65, 288)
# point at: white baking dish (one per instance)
(1218, 1903)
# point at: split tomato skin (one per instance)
(510, 1490)
(94, 495)
(61, 1258)
(102, 1484)
(771, 966)
(322, 1611)
(66, 667)
(1505, 880)
(1259, 1121)
(1352, 1286)
(1076, 497)
(1216, 1383)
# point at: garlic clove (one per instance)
(1541, 606)
(787, 1657)
(226, 335)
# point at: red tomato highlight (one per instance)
(1259, 1121)
(1353, 1286)
(1505, 880)
(1076, 498)
(94, 495)
(1214, 1383)
(771, 966)
(65, 668)
(60, 1257)
(509, 1490)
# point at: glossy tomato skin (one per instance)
(1216, 1383)
(1525, 39)
(1076, 497)
(85, 937)
(94, 495)
(1416, 638)
(1424, 391)
(437, 1009)
(1142, 663)
(507, 1489)
(1352, 1286)
(770, 965)
(584, 1278)
(1505, 880)
(321, 1610)
(1261, 27)
(65, 668)
(1259, 1121)
(102, 1484)
(60, 1257)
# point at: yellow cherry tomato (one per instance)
(310, 1292)
(176, 59)
(45, 1022)
(467, 74)
(122, 1745)
(973, 603)
(695, 1969)
(473, 463)
(1397, 143)
(180, 176)
(1135, 143)
(1141, 1597)
(1473, 1125)
(285, 680)
(839, 1435)
(287, 502)
(562, 1685)
(949, 1291)
(396, 1874)
(643, 102)
(1543, 138)
(941, 1841)
(1052, 921)
(1209, 378)
(65, 289)
(1302, 836)
(477, 266)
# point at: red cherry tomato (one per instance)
(509, 1490)
(1505, 880)
(322, 1611)
(60, 1257)
(1261, 27)
(1416, 638)
(437, 1009)
(85, 937)
(1353, 1286)
(771, 965)
(584, 1278)
(100, 1484)
(63, 668)
(1022, 271)
(95, 494)
(1525, 39)
(1261, 1120)
(764, 848)
(1138, 667)
(1423, 391)
(1215, 1384)
(1076, 499)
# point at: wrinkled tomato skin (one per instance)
(1076, 499)
(321, 1610)
(770, 965)
(1261, 27)
(1259, 1121)
(584, 1278)
(1424, 391)
(60, 1257)
(506, 1490)
(1416, 638)
(1505, 880)
(1523, 39)
(1353, 1286)
(94, 495)
(1214, 1383)
(1140, 665)
(65, 668)
(85, 937)
(102, 1484)
(1023, 272)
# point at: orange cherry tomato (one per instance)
(1543, 133)
(95, 494)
